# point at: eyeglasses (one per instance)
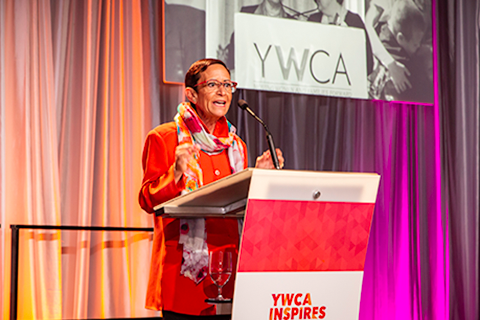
(215, 85)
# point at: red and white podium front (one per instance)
(304, 240)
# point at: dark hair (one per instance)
(196, 69)
(407, 18)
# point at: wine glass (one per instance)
(220, 269)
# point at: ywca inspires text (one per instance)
(292, 306)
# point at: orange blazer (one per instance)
(167, 288)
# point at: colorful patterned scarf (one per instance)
(193, 235)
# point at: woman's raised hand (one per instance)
(183, 155)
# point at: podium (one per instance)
(304, 240)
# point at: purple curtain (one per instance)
(405, 265)
(459, 73)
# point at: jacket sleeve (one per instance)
(158, 183)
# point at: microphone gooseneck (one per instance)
(244, 106)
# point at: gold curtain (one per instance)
(74, 113)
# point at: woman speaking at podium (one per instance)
(200, 146)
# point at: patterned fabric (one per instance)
(192, 231)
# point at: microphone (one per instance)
(244, 106)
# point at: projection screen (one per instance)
(366, 49)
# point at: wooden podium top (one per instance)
(226, 197)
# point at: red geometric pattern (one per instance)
(284, 235)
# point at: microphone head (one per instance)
(242, 104)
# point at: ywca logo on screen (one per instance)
(292, 306)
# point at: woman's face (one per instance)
(212, 103)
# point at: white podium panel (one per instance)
(303, 245)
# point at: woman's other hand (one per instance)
(265, 160)
(183, 155)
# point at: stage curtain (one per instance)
(459, 57)
(79, 80)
